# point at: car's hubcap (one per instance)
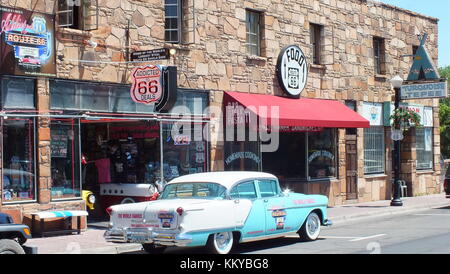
(313, 225)
(223, 241)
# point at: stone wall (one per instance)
(213, 57)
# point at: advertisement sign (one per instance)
(424, 91)
(150, 55)
(425, 113)
(292, 70)
(146, 87)
(27, 43)
(373, 112)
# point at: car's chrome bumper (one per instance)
(166, 238)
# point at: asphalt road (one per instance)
(426, 232)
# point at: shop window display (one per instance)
(121, 152)
(65, 163)
(183, 153)
(322, 154)
(242, 156)
(19, 180)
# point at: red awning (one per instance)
(303, 112)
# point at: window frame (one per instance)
(379, 58)
(77, 166)
(375, 151)
(179, 17)
(253, 49)
(77, 14)
(34, 156)
(423, 151)
(316, 32)
(239, 184)
(266, 181)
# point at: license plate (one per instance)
(138, 238)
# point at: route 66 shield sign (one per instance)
(146, 88)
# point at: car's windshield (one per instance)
(194, 190)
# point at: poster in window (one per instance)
(59, 143)
(27, 43)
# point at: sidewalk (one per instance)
(92, 242)
(346, 213)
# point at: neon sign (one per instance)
(29, 40)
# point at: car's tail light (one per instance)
(180, 211)
(446, 184)
(109, 211)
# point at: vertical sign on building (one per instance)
(27, 43)
(292, 70)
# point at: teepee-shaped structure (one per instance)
(423, 67)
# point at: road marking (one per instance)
(431, 214)
(367, 238)
(337, 237)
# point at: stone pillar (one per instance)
(43, 142)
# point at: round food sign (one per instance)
(292, 70)
(146, 88)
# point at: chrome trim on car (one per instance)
(163, 237)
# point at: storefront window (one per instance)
(288, 162)
(322, 154)
(424, 148)
(65, 161)
(19, 180)
(196, 101)
(184, 152)
(70, 95)
(242, 156)
(374, 150)
(120, 153)
(17, 93)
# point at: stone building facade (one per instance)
(212, 56)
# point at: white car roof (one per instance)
(225, 178)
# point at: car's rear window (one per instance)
(448, 172)
(194, 190)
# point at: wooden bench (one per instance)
(57, 214)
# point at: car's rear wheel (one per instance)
(311, 228)
(220, 243)
(153, 249)
(10, 247)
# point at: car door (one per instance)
(253, 220)
(275, 207)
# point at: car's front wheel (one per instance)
(220, 243)
(311, 228)
(153, 249)
(10, 247)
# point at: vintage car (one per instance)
(217, 210)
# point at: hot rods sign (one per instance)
(26, 43)
(146, 88)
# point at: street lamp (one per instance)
(397, 82)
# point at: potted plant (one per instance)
(404, 118)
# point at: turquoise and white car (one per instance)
(218, 210)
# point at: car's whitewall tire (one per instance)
(221, 243)
(310, 230)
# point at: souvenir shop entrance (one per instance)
(126, 161)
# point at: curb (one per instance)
(339, 220)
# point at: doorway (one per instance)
(351, 157)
